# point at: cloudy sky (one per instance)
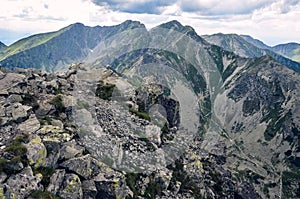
(272, 21)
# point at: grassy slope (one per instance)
(28, 43)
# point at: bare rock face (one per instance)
(85, 166)
(96, 133)
(56, 181)
(22, 184)
(36, 152)
(71, 187)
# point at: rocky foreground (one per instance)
(47, 153)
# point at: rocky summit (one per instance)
(158, 113)
(44, 154)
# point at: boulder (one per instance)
(17, 111)
(54, 134)
(22, 184)
(85, 166)
(36, 151)
(70, 151)
(71, 187)
(89, 189)
(29, 126)
(53, 153)
(14, 99)
(56, 181)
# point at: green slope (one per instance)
(28, 43)
(290, 50)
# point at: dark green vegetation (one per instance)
(58, 103)
(141, 114)
(17, 152)
(43, 195)
(46, 172)
(105, 91)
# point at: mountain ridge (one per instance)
(246, 46)
(2, 45)
(152, 114)
(58, 48)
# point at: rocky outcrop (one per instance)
(60, 137)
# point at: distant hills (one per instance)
(290, 50)
(246, 46)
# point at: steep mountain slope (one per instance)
(240, 46)
(154, 114)
(235, 43)
(53, 51)
(252, 105)
(255, 42)
(2, 45)
(290, 50)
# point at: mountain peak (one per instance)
(174, 24)
(2, 45)
(130, 24)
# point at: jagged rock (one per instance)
(53, 153)
(17, 111)
(89, 189)
(85, 166)
(54, 133)
(2, 75)
(44, 109)
(3, 176)
(2, 111)
(71, 187)
(58, 123)
(29, 126)
(9, 81)
(70, 150)
(36, 151)
(153, 133)
(23, 183)
(56, 181)
(14, 99)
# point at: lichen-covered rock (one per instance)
(56, 181)
(89, 189)
(36, 152)
(23, 183)
(54, 134)
(44, 109)
(17, 111)
(85, 166)
(14, 98)
(29, 126)
(53, 153)
(71, 187)
(70, 150)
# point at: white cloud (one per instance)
(273, 21)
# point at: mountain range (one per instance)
(53, 51)
(178, 115)
(246, 46)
